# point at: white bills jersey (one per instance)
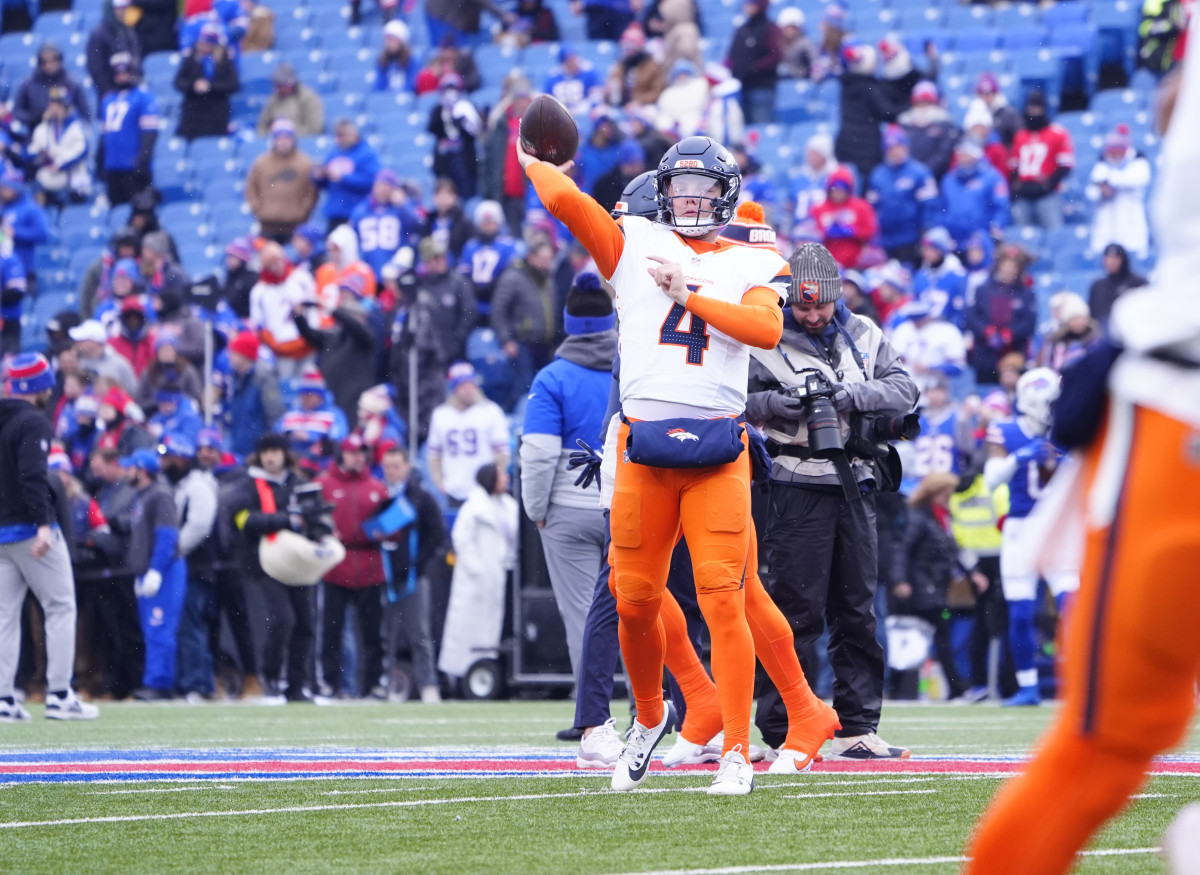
(466, 440)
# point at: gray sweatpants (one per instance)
(53, 586)
(573, 543)
(406, 622)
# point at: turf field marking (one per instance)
(376, 790)
(869, 864)
(408, 803)
(160, 790)
(1154, 796)
(865, 793)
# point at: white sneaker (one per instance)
(599, 748)
(13, 713)
(735, 777)
(634, 761)
(69, 707)
(789, 762)
(431, 695)
(687, 753)
(866, 747)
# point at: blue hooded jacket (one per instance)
(974, 201)
(905, 201)
(352, 189)
(29, 228)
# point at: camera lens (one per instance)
(824, 432)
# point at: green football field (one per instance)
(483, 787)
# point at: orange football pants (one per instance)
(1133, 656)
(810, 721)
(712, 508)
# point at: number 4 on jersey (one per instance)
(695, 338)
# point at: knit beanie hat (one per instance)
(816, 278)
(589, 308)
(749, 227)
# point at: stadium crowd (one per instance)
(379, 340)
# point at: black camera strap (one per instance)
(858, 359)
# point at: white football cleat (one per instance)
(1181, 844)
(634, 761)
(599, 748)
(735, 777)
(687, 753)
(13, 713)
(69, 707)
(789, 762)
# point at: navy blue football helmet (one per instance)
(706, 159)
(640, 198)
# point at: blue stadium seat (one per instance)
(81, 259)
(18, 52)
(183, 216)
(1018, 15)
(1023, 38)
(346, 57)
(600, 53)
(976, 40)
(918, 18)
(317, 147)
(1065, 13)
(1038, 69)
(159, 70)
(81, 237)
(174, 179)
(118, 217)
(1116, 31)
(1073, 40)
(494, 61)
(960, 18)
(55, 26)
(76, 216)
(199, 259)
(1117, 103)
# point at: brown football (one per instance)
(548, 131)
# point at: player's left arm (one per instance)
(756, 320)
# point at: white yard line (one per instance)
(462, 800)
(200, 787)
(868, 864)
(867, 793)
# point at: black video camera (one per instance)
(310, 507)
(821, 419)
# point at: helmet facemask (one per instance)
(695, 201)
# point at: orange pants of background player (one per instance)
(1133, 655)
(810, 721)
(712, 507)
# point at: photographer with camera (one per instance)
(829, 397)
(262, 511)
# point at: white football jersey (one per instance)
(466, 440)
(668, 354)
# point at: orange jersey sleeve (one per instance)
(756, 321)
(591, 224)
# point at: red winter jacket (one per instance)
(356, 497)
(139, 353)
(846, 229)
